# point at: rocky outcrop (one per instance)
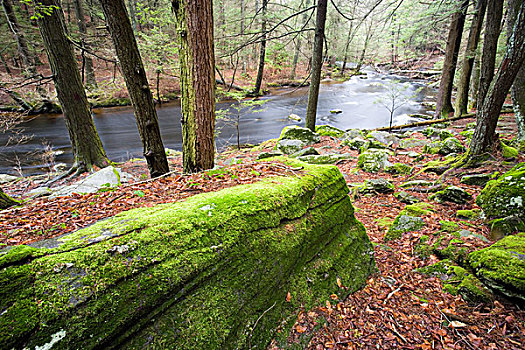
(294, 138)
(217, 271)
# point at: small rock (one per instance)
(451, 145)
(352, 133)
(445, 134)
(475, 179)
(295, 117)
(405, 197)
(411, 143)
(377, 185)
(287, 146)
(398, 168)
(336, 111)
(416, 183)
(302, 134)
(308, 151)
(328, 130)
(373, 161)
(506, 226)
(402, 224)
(357, 143)
(452, 194)
(384, 137)
(39, 192)
(325, 158)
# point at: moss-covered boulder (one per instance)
(476, 179)
(451, 145)
(377, 186)
(294, 138)
(405, 197)
(412, 143)
(384, 137)
(506, 195)
(373, 160)
(399, 169)
(329, 130)
(325, 158)
(357, 143)
(217, 271)
(502, 266)
(457, 280)
(409, 219)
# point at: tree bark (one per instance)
(87, 60)
(86, 145)
(490, 45)
(317, 64)
(197, 62)
(262, 51)
(468, 59)
(484, 134)
(444, 98)
(6, 201)
(128, 54)
(518, 88)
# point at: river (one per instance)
(358, 98)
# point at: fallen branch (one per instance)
(431, 122)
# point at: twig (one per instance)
(255, 325)
(392, 293)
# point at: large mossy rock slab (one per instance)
(502, 265)
(506, 195)
(373, 160)
(212, 272)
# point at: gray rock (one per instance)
(405, 197)
(329, 130)
(402, 224)
(104, 178)
(475, 179)
(290, 146)
(302, 134)
(451, 145)
(384, 137)
(506, 226)
(417, 183)
(467, 233)
(357, 143)
(336, 111)
(5, 178)
(411, 143)
(309, 151)
(353, 133)
(294, 117)
(452, 194)
(377, 185)
(373, 161)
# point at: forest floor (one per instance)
(398, 307)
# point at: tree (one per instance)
(87, 61)
(490, 45)
(23, 50)
(468, 59)
(393, 98)
(518, 88)
(85, 142)
(317, 64)
(262, 50)
(197, 65)
(484, 138)
(444, 98)
(299, 42)
(128, 54)
(6, 201)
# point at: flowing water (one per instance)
(362, 100)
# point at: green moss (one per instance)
(399, 168)
(502, 265)
(417, 209)
(385, 222)
(508, 151)
(504, 196)
(448, 226)
(210, 272)
(469, 214)
(328, 130)
(422, 248)
(455, 251)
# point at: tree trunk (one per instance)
(468, 59)
(518, 88)
(317, 65)
(444, 98)
(128, 54)
(262, 51)
(196, 55)
(6, 201)
(86, 145)
(349, 38)
(132, 9)
(490, 45)
(365, 46)
(299, 42)
(87, 60)
(484, 134)
(475, 79)
(23, 50)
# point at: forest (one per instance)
(269, 174)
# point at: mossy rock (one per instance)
(457, 280)
(357, 143)
(412, 143)
(377, 186)
(212, 272)
(352, 133)
(502, 266)
(451, 145)
(508, 152)
(297, 133)
(383, 137)
(405, 197)
(399, 168)
(329, 130)
(476, 179)
(325, 158)
(432, 148)
(308, 151)
(506, 226)
(403, 224)
(448, 226)
(373, 161)
(467, 133)
(505, 196)
(452, 194)
(473, 214)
